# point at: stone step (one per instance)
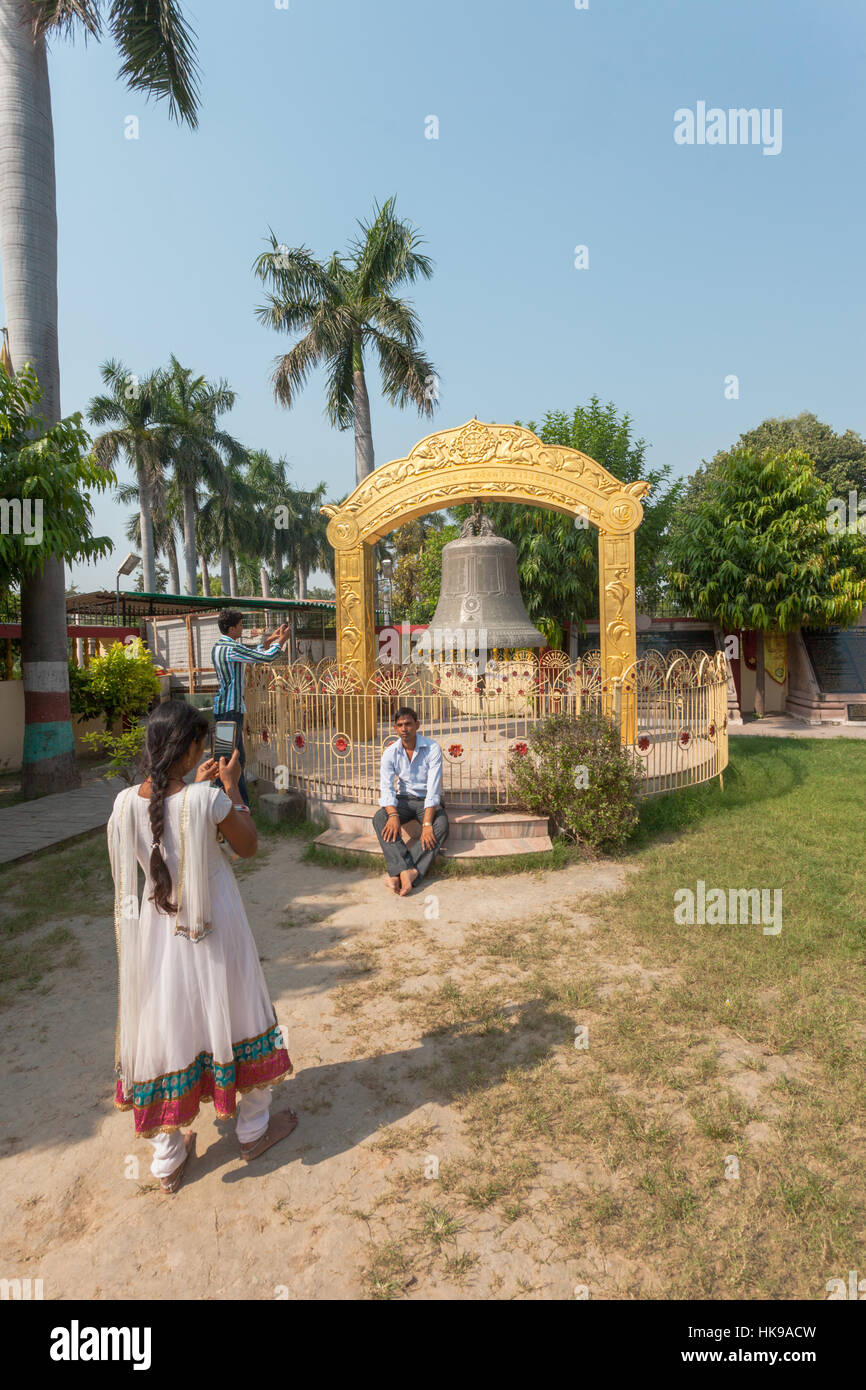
(465, 825)
(459, 849)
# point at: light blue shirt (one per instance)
(420, 777)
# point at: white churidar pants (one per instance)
(252, 1121)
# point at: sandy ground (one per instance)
(79, 1208)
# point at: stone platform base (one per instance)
(473, 834)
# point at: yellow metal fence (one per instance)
(323, 731)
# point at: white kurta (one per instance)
(207, 1027)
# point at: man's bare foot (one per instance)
(407, 881)
(393, 883)
(279, 1127)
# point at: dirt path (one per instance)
(79, 1209)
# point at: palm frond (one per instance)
(406, 374)
(158, 48)
(292, 369)
(396, 317)
(341, 382)
(64, 17)
(387, 252)
(294, 272)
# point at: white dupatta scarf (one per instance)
(193, 919)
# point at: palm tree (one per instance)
(267, 479)
(157, 50)
(228, 520)
(166, 512)
(312, 549)
(197, 447)
(344, 308)
(133, 407)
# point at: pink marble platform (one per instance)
(473, 834)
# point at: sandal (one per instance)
(279, 1127)
(174, 1180)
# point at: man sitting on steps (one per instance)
(411, 789)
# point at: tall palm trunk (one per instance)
(145, 514)
(28, 250)
(189, 539)
(233, 576)
(266, 581)
(364, 461)
(225, 570)
(302, 582)
(173, 571)
(205, 577)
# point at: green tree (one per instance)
(54, 468)
(754, 550)
(269, 482)
(839, 459)
(197, 447)
(228, 520)
(160, 577)
(558, 561)
(346, 310)
(158, 59)
(167, 511)
(132, 407)
(416, 550)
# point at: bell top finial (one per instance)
(476, 524)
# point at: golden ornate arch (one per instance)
(503, 463)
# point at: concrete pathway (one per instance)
(29, 826)
(784, 726)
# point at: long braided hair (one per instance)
(171, 729)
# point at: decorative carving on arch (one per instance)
(504, 463)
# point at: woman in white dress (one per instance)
(195, 1019)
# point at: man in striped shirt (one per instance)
(229, 657)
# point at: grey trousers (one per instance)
(398, 856)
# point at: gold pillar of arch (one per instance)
(499, 463)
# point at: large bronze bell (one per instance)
(480, 604)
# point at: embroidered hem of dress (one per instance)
(224, 1112)
(167, 1116)
(172, 1100)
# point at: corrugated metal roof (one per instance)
(152, 605)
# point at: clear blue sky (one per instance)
(556, 129)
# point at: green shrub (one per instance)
(575, 771)
(120, 685)
(124, 751)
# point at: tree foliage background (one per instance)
(557, 561)
(753, 549)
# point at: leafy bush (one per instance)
(121, 684)
(575, 771)
(124, 751)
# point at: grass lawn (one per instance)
(711, 1051)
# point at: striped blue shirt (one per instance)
(229, 658)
